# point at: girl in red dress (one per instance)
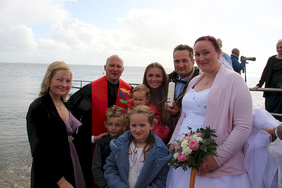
(141, 96)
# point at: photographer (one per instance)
(237, 66)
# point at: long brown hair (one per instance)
(162, 94)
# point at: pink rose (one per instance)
(194, 145)
(198, 134)
(189, 134)
(185, 138)
(177, 147)
(181, 156)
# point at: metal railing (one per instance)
(80, 83)
(277, 90)
(267, 89)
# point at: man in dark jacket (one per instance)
(184, 71)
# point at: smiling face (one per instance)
(60, 83)
(183, 63)
(114, 68)
(140, 127)
(206, 56)
(115, 126)
(154, 77)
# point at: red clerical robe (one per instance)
(100, 102)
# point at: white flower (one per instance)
(187, 151)
(194, 137)
(184, 144)
(175, 155)
(199, 139)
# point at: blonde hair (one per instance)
(116, 111)
(219, 41)
(53, 67)
(142, 87)
(143, 109)
(279, 41)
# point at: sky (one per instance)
(86, 32)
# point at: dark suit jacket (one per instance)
(49, 145)
(173, 76)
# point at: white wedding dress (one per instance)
(194, 106)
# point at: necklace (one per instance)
(59, 106)
(207, 82)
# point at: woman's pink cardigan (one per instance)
(229, 112)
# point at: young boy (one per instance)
(116, 122)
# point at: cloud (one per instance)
(27, 12)
(157, 28)
(17, 39)
(140, 37)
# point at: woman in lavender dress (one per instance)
(51, 129)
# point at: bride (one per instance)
(218, 98)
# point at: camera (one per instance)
(249, 58)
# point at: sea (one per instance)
(20, 85)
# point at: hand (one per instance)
(171, 147)
(271, 131)
(63, 183)
(96, 138)
(255, 88)
(208, 165)
(174, 110)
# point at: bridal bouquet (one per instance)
(192, 148)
